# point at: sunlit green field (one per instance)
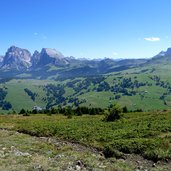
(84, 90)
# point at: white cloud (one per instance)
(152, 39)
(114, 54)
(40, 35)
(36, 34)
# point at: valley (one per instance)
(52, 80)
(144, 90)
(63, 110)
(85, 85)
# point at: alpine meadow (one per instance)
(85, 85)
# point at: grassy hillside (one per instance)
(146, 87)
(19, 98)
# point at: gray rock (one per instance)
(17, 59)
(19, 153)
(140, 167)
(79, 163)
(48, 56)
(39, 168)
(154, 165)
(78, 168)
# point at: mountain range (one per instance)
(48, 79)
(50, 62)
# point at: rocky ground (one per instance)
(20, 152)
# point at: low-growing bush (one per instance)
(147, 134)
(109, 151)
(114, 113)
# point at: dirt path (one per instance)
(26, 153)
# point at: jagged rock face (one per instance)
(35, 58)
(50, 56)
(1, 60)
(164, 53)
(168, 52)
(17, 58)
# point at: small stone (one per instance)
(49, 140)
(121, 160)
(78, 168)
(39, 168)
(13, 148)
(140, 167)
(138, 161)
(26, 154)
(19, 153)
(154, 165)
(158, 162)
(167, 160)
(79, 163)
(59, 156)
(102, 166)
(70, 168)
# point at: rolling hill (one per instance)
(48, 79)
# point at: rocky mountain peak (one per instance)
(17, 58)
(35, 53)
(13, 48)
(163, 53)
(35, 58)
(168, 52)
(53, 53)
(1, 58)
(51, 56)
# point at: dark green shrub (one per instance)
(79, 112)
(109, 151)
(22, 111)
(34, 111)
(114, 113)
(125, 110)
(93, 111)
(53, 111)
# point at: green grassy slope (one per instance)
(147, 87)
(19, 98)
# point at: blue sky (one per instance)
(87, 28)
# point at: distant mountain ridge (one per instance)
(164, 53)
(48, 79)
(20, 59)
(54, 62)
